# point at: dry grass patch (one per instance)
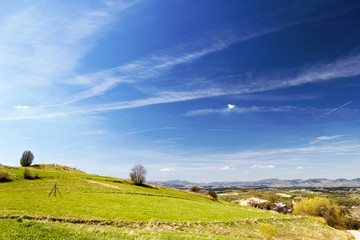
(281, 229)
(56, 168)
(6, 176)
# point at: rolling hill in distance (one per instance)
(272, 182)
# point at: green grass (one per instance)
(138, 211)
(86, 200)
(91, 197)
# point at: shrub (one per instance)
(26, 158)
(213, 195)
(137, 174)
(317, 206)
(321, 207)
(252, 203)
(350, 223)
(267, 231)
(29, 176)
(273, 198)
(265, 205)
(195, 189)
(6, 176)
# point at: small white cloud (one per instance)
(227, 168)
(299, 167)
(324, 138)
(262, 166)
(22, 107)
(230, 106)
(166, 169)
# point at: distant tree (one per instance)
(137, 174)
(26, 158)
(195, 189)
(213, 194)
(273, 198)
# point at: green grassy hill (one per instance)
(96, 207)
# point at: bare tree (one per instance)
(137, 174)
(26, 158)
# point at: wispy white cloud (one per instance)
(166, 169)
(227, 168)
(153, 65)
(98, 132)
(324, 138)
(262, 166)
(22, 107)
(44, 57)
(315, 73)
(36, 116)
(299, 168)
(323, 154)
(204, 44)
(306, 75)
(303, 151)
(102, 83)
(245, 110)
(307, 155)
(188, 51)
(147, 130)
(343, 67)
(73, 44)
(51, 44)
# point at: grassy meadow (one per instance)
(96, 207)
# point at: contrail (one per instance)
(325, 114)
(322, 116)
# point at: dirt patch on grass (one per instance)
(284, 195)
(249, 201)
(104, 184)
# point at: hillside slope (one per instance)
(91, 199)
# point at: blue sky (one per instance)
(203, 90)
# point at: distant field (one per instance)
(155, 211)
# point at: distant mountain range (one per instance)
(272, 182)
